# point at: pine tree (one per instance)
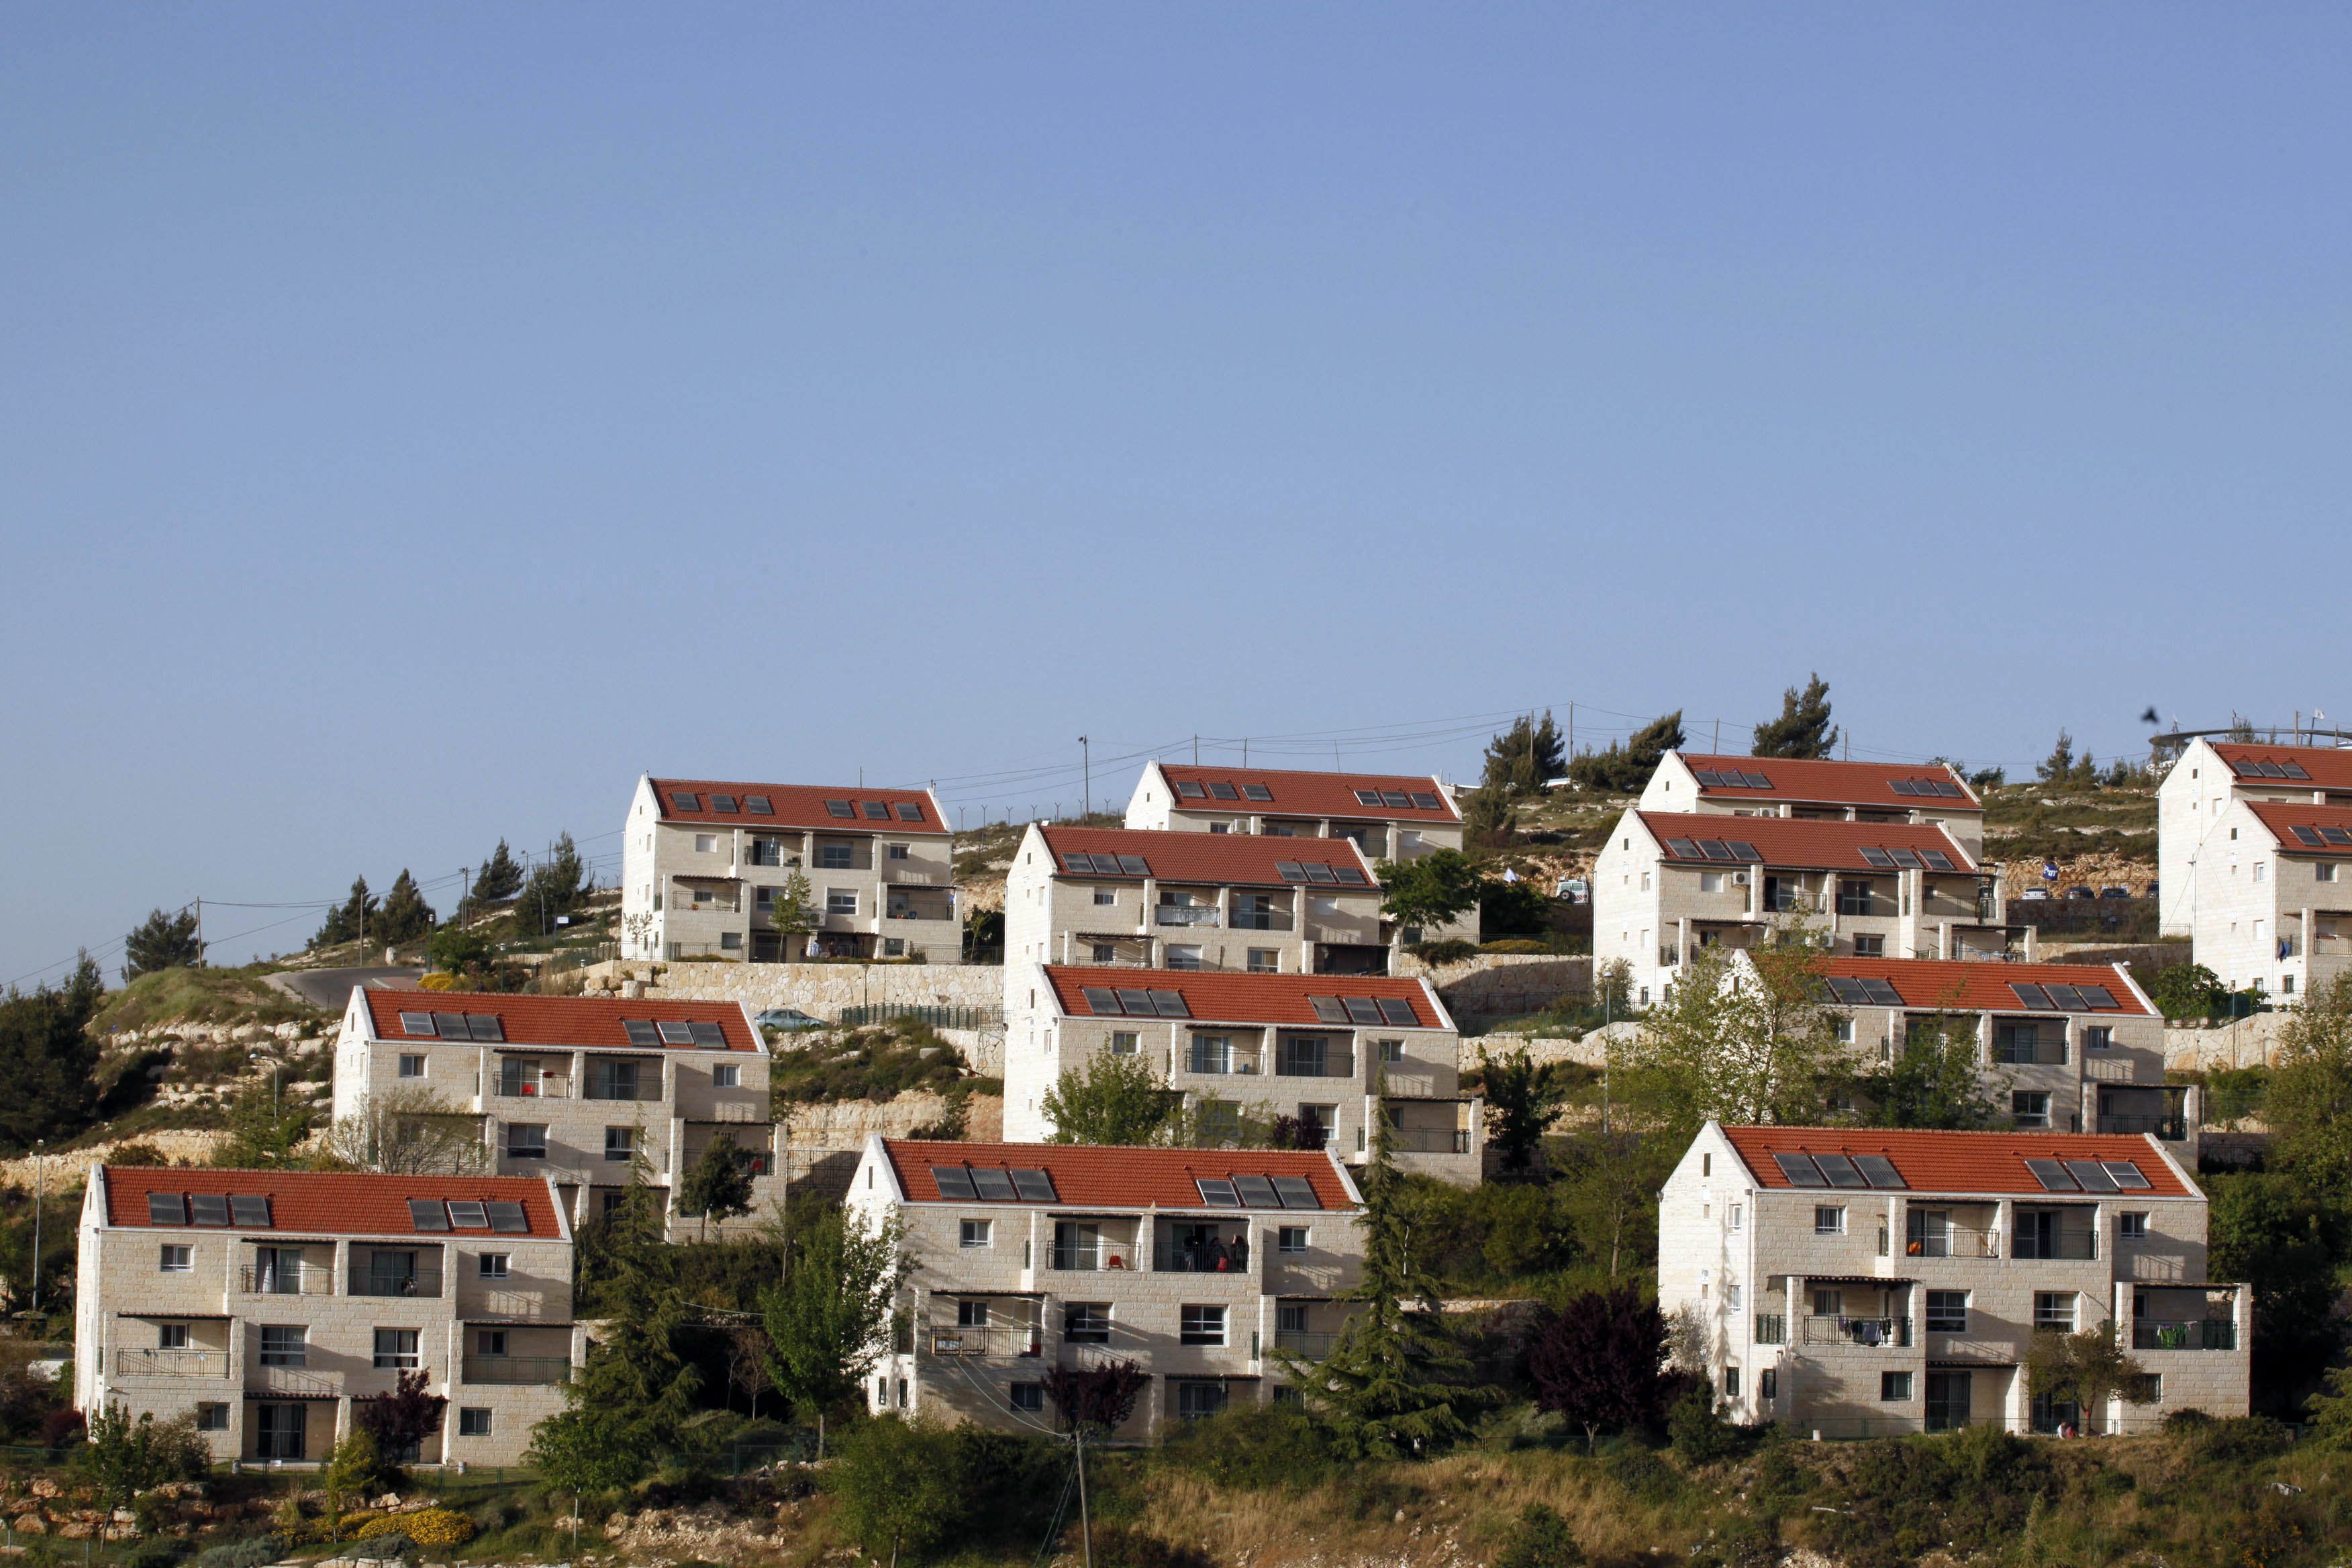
(1625, 769)
(47, 1059)
(162, 942)
(1525, 757)
(1803, 728)
(354, 918)
(497, 878)
(406, 916)
(1394, 1386)
(638, 1371)
(554, 888)
(1487, 820)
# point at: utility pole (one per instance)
(200, 933)
(39, 1193)
(1087, 763)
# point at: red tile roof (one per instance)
(590, 1022)
(1963, 986)
(2283, 818)
(1243, 857)
(1087, 1175)
(1802, 841)
(1829, 783)
(2330, 767)
(325, 1203)
(1244, 998)
(798, 807)
(1955, 1162)
(1313, 794)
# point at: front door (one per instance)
(1947, 1401)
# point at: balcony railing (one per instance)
(2077, 1246)
(1313, 1344)
(1260, 920)
(295, 1381)
(1184, 915)
(2195, 1334)
(1430, 1140)
(1006, 1341)
(423, 1282)
(1865, 1333)
(530, 1089)
(284, 1281)
(2169, 1129)
(518, 1369)
(1103, 1255)
(1771, 1328)
(1953, 1241)
(625, 1091)
(171, 1363)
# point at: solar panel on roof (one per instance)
(759, 805)
(1256, 791)
(1937, 860)
(2053, 1176)
(1879, 1170)
(1256, 1193)
(2125, 1174)
(2336, 835)
(1034, 1185)
(1217, 1191)
(453, 1026)
(1906, 859)
(1100, 1000)
(427, 1214)
(2272, 771)
(1137, 1003)
(1755, 781)
(839, 808)
(1349, 876)
(467, 1213)
(1133, 866)
(2310, 836)
(684, 802)
(954, 1182)
(1849, 992)
(1397, 1010)
(1224, 791)
(1715, 848)
(507, 1218)
(1903, 787)
(877, 810)
(1707, 778)
(485, 1026)
(640, 1032)
(2295, 771)
(417, 1024)
(1170, 1004)
(2066, 999)
(2247, 770)
(1077, 864)
(2097, 996)
(1367, 797)
(1317, 871)
(1682, 848)
(1743, 850)
(1362, 1010)
(709, 1037)
(993, 1185)
(1881, 994)
(1423, 801)
(1296, 1193)
(250, 1210)
(2031, 995)
(725, 802)
(2092, 1175)
(1949, 790)
(1290, 871)
(1878, 857)
(1839, 1171)
(1187, 790)
(208, 1208)
(1395, 798)
(1328, 1009)
(166, 1208)
(675, 1032)
(1800, 1171)
(910, 811)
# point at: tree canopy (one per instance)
(1734, 1043)
(406, 916)
(830, 1319)
(1430, 890)
(1625, 767)
(1523, 1100)
(48, 1057)
(354, 918)
(2063, 768)
(718, 1185)
(1601, 1362)
(1525, 757)
(556, 887)
(1934, 1081)
(500, 877)
(1803, 728)
(1110, 1099)
(162, 942)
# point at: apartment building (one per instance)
(1930, 794)
(1194, 1264)
(271, 1305)
(1252, 902)
(2196, 852)
(1334, 1051)
(706, 866)
(2066, 1047)
(2271, 905)
(1669, 883)
(572, 1089)
(1862, 1282)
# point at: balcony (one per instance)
(1307, 1343)
(518, 1369)
(1429, 1140)
(530, 1089)
(1185, 915)
(2193, 1334)
(2168, 1128)
(284, 1281)
(1102, 1257)
(419, 1284)
(2070, 1246)
(296, 1382)
(171, 1363)
(1669, 957)
(1003, 1342)
(901, 878)
(1952, 1242)
(1862, 1333)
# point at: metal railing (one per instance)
(1865, 1333)
(1260, 920)
(1430, 1140)
(294, 1380)
(316, 1280)
(171, 1363)
(2169, 1129)
(518, 1369)
(611, 1090)
(423, 1282)
(1185, 915)
(2194, 1334)
(530, 1089)
(1771, 1328)
(2074, 1245)
(1103, 1256)
(936, 1017)
(1313, 1344)
(1009, 1341)
(1953, 1241)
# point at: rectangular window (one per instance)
(491, 1265)
(1184, 955)
(1844, 1030)
(1106, 896)
(2030, 1107)
(899, 852)
(1731, 1298)
(706, 843)
(1265, 960)
(620, 1143)
(1303, 1055)
(1829, 1219)
(1734, 1216)
(2132, 1227)
(726, 1075)
(2262, 871)
(1768, 1385)
(171, 1336)
(731, 942)
(975, 1233)
(1196, 1400)
(278, 1431)
(833, 858)
(1829, 1303)
(841, 900)
(1870, 947)
(1392, 1052)
(1213, 1053)
(1203, 1326)
(412, 1066)
(1086, 1323)
(1027, 1395)
(178, 1259)
(972, 1314)
(1894, 1387)
(1124, 1042)
(2324, 872)
(211, 1418)
(1731, 1383)
(2054, 1310)
(1709, 882)
(1290, 1238)
(1854, 897)
(473, 1421)
(526, 1140)
(285, 1344)
(2098, 1038)
(396, 1348)
(1104, 952)
(491, 1343)
(1947, 1311)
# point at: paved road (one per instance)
(332, 988)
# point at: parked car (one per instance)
(2032, 894)
(2078, 892)
(786, 1019)
(2114, 892)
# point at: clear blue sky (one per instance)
(415, 421)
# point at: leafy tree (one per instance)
(1514, 908)
(406, 916)
(2331, 1412)
(1394, 1387)
(586, 1448)
(120, 1455)
(500, 877)
(350, 920)
(556, 887)
(1698, 1432)
(1110, 1099)
(1096, 1400)
(2084, 1369)
(2187, 990)
(1803, 728)
(899, 1488)
(457, 951)
(2309, 1100)
(1487, 820)
(1608, 1184)
(47, 1058)
(1540, 1539)
(1523, 1100)
(1934, 1081)
(401, 1421)
(638, 1368)
(1601, 1361)
(1625, 769)
(719, 1186)
(406, 1130)
(830, 1320)
(1525, 757)
(792, 913)
(162, 942)
(266, 1126)
(1734, 1043)
(2065, 769)
(2284, 1240)
(352, 1467)
(1430, 891)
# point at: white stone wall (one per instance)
(1674, 787)
(2250, 892)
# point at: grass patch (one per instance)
(876, 1064)
(200, 996)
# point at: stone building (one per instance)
(271, 1305)
(1818, 790)
(2268, 889)
(2195, 853)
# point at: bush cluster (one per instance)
(427, 1527)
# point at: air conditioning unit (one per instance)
(1739, 879)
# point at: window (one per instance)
(1829, 1219)
(211, 1417)
(412, 1066)
(278, 1431)
(1213, 1053)
(1106, 896)
(1947, 1311)
(1195, 1400)
(841, 900)
(473, 1421)
(1768, 1385)
(396, 1348)
(526, 1142)
(1854, 897)
(706, 843)
(1645, 881)
(833, 858)
(1709, 881)
(1104, 953)
(731, 942)
(1829, 1303)
(1870, 947)
(1184, 955)
(492, 1265)
(2324, 872)
(179, 1259)
(285, 1344)
(620, 1143)
(1731, 1298)
(2098, 1038)
(2054, 1310)
(171, 1336)
(1086, 1323)
(2030, 1107)
(1734, 1216)
(1290, 1238)
(2132, 1227)
(490, 1343)
(1265, 960)
(1392, 1052)
(1027, 1395)
(1124, 1042)
(1203, 1326)
(1844, 1030)
(1894, 1387)
(972, 1314)
(976, 1233)
(1731, 1383)
(726, 1075)
(898, 852)
(2262, 871)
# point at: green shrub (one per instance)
(1645, 1477)
(2206, 1440)
(1119, 1546)
(1540, 1539)
(1253, 1448)
(1452, 949)
(1698, 1432)
(254, 1552)
(1515, 944)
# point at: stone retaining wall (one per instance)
(2247, 1043)
(820, 990)
(1502, 985)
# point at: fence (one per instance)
(933, 1016)
(2125, 920)
(581, 957)
(798, 1448)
